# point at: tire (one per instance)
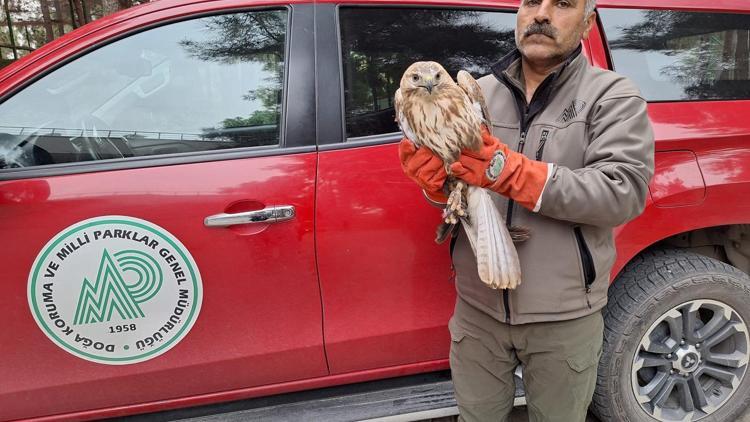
(654, 295)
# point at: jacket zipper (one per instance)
(506, 300)
(511, 202)
(540, 150)
(524, 110)
(525, 122)
(521, 142)
(589, 272)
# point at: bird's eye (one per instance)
(437, 77)
(415, 78)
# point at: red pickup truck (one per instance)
(204, 214)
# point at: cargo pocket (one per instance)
(582, 378)
(584, 360)
(477, 373)
(457, 337)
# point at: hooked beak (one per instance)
(429, 84)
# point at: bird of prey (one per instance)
(446, 117)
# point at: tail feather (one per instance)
(497, 260)
(443, 232)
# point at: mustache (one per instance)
(540, 28)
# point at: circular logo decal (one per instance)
(115, 290)
(689, 360)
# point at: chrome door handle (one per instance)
(266, 215)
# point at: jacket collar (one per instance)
(510, 65)
(508, 72)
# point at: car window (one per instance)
(202, 84)
(378, 44)
(673, 55)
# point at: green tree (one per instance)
(255, 37)
(711, 50)
(379, 44)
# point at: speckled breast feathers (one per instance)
(436, 112)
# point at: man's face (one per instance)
(548, 30)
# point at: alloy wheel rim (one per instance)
(690, 361)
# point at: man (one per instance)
(572, 158)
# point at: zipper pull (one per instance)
(522, 142)
(588, 290)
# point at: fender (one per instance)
(702, 174)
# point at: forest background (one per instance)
(26, 25)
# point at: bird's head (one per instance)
(424, 78)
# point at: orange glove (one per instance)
(424, 168)
(520, 179)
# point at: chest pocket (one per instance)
(545, 134)
(508, 134)
(564, 146)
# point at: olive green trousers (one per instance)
(559, 365)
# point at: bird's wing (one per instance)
(497, 259)
(403, 123)
(472, 89)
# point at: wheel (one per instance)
(675, 341)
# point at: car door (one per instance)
(388, 289)
(156, 206)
